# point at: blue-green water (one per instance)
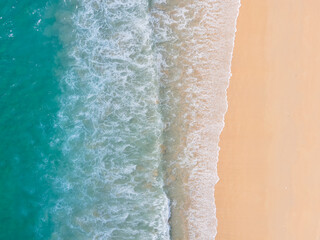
(29, 93)
(80, 127)
(110, 116)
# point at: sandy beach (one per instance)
(269, 162)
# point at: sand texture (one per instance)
(269, 163)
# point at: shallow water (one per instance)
(196, 38)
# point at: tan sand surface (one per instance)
(269, 163)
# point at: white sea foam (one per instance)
(110, 185)
(144, 90)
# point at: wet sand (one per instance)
(269, 162)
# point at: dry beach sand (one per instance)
(269, 162)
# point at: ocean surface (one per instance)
(110, 117)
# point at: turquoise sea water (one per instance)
(101, 108)
(80, 127)
(29, 93)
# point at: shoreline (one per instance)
(193, 101)
(268, 168)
